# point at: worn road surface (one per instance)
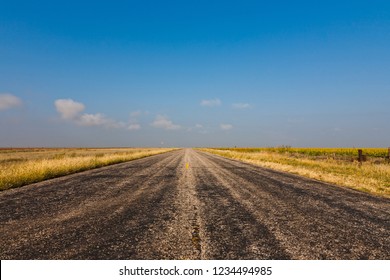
(188, 204)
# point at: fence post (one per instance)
(360, 155)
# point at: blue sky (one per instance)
(195, 73)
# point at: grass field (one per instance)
(19, 167)
(334, 165)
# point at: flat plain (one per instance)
(188, 204)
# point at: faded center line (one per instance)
(188, 209)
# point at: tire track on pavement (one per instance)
(88, 225)
(312, 220)
(231, 231)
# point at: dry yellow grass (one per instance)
(371, 176)
(19, 167)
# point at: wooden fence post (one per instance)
(360, 155)
(388, 154)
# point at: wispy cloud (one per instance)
(134, 126)
(69, 109)
(241, 106)
(8, 101)
(134, 120)
(135, 114)
(210, 102)
(201, 129)
(197, 128)
(98, 120)
(226, 127)
(73, 111)
(164, 123)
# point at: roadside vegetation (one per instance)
(334, 165)
(22, 166)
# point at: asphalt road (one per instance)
(188, 204)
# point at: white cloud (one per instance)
(98, 120)
(164, 123)
(210, 102)
(226, 126)
(72, 111)
(69, 109)
(8, 101)
(93, 120)
(241, 106)
(198, 126)
(134, 126)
